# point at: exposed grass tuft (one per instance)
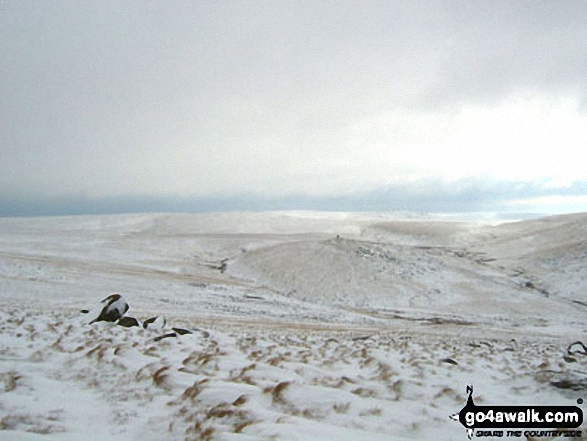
(10, 380)
(277, 391)
(240, 401)
(341, 408)
(159, 376)
(364, 392)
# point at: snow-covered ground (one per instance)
(306, 325)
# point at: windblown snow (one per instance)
(302, 325)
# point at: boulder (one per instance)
(115, 308)
(157, 324)
(181, 331)
(128, 322)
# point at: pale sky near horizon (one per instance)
(295, 101)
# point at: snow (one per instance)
(306, 325)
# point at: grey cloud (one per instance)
(495, 48)
(465, 195)
(95, 93)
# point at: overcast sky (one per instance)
(353, 105)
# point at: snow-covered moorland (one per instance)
(304, 326)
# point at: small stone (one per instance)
(147, 322)
(115, 308)
(577, 348)
(181, 331)
(128, 322)
(161, 337)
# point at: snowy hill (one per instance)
(305, 325)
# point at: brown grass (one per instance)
(375, 411)
(201, 433)
(57, 345)
(396, 387)
(384, 372)
(240, 401)
(159, 376)
(30, 423)
(10, 380)
(238, 428)
(341, 408)
(277, 391)
(221, 411)
(242, 376)
(276, 361)
(228, 413)
(314, 414)
(448, 391)
(151, 351)
(364, 392)
(97, 352)
(194, 390)
(207, 433)
(198, 359)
